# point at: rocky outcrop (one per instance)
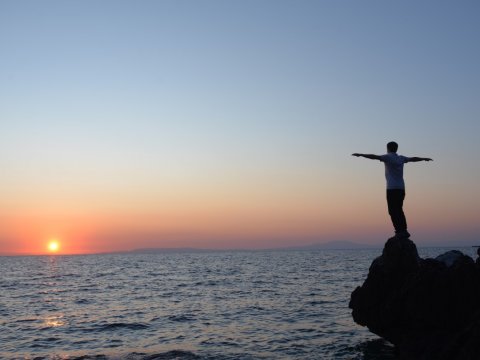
(428, 308)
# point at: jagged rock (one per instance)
(427, 308)
(451, 257)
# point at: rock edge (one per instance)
(427, 308)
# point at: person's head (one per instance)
(392, 146)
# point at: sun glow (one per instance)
(53, 245)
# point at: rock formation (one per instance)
(428, 308)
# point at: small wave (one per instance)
(172, 355)
(309, 330)
(181, 318)
(169, 355)
(227, 342)
(318, 302)
(26, 320)
(116, 326)
(83, 301)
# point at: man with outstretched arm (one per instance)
(395, 184)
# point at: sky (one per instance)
(231, 124)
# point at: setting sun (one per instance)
(53, 245)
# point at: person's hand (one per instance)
(428, 159)
(356, 154)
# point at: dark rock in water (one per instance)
(427, 308)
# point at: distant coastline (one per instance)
(330, 245)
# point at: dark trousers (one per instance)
(395, 199)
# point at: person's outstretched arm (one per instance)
(417, 159)
(368, 156)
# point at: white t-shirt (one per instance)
(394, 170)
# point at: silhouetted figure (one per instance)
(395, 184)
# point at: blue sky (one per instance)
(235, 103)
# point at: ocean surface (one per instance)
(209, 305)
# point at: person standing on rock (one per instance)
(395, 184)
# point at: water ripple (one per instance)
(119, 326)
(219, 305)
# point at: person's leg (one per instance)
(401, 215)
(392, 206)
(395, 199)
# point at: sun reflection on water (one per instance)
(54, 321)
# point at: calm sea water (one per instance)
(218, 305)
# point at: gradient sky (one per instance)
(230, 124)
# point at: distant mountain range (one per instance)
(331, 245)
(166, 250)
(337, 245)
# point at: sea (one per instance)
(188, 305)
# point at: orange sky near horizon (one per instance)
(234, 216)
(240, 217)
